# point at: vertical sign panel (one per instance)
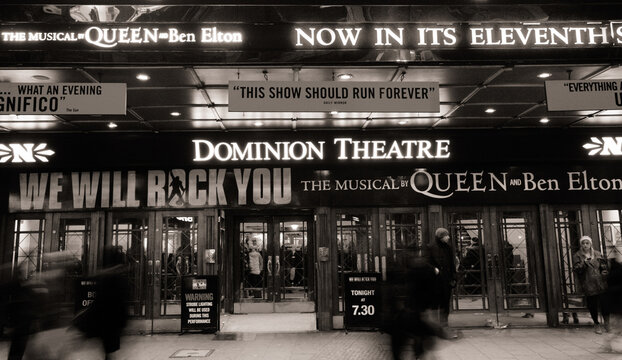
(199, 303)
(362, 300)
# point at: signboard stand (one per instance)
(362, 301)
(200, 303)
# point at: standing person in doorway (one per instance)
(441, 256)
(255, 263)
(591, 270)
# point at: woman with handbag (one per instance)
(591, 270)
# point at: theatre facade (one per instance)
(284, 214)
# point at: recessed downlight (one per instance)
(40, 77)
(544, 120)
(345, 76)
(403, 122)
(112, 125)
(175, 113)
(143, 77)
(258, 123)
(545, 75)
(334, 112)
(490, 111)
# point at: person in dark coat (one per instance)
(110, 305)
(614, 299)
(440, 255)
(411, 282)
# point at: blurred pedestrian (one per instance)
(591, 270)
(20, 313)
(440, 256)
(411, 281)
(614, 299)
(107, 315)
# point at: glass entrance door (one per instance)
(274, 265)
(497, 272)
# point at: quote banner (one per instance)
(63, 99)
(325, 96)
(567, 95)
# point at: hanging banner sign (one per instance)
(325, 96)
(63, 99)
(566, 95)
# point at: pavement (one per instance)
(483, 343)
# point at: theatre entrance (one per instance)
(500, 276)
(273, 265)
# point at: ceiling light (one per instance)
(345, 76)
(112, 125)
(490, 110)
(334, 112)
(143, 77)
(403, 122)
(258, 123)
(544, 120)
(40, 77)
(544, 75)
(175, 113)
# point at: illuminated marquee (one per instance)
(110, 37)
(346, 149)
(334, 35)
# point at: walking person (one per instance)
(614, 300)
(410, 283)
(591, 270)
(441, 256)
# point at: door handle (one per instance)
(278, 265)
(489, 265)
(497, 266)
(269, 265)
(150, 272)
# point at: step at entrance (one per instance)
(268, 323)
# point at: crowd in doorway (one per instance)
(48, 313)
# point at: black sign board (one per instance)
(86, 291)
(363, 300)
(199, 303)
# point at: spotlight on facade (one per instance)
(143, 77)
(345, 76)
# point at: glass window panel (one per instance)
(28, 239)
(469, 244)
(131, 236)
(253, 257)
(179, 258)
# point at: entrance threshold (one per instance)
(268, 323)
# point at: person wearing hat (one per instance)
(441, 256)
(591, 270)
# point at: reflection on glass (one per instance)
(28, 239)
(609, 231)
(567, 233)
(293, 252)
(129, 236)
(179, 258)
(253, 247)
(519, 285)
(466, 231)
(353, 247)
